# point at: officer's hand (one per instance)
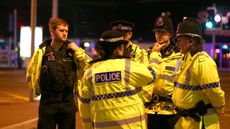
(72, 46)
(157, 47)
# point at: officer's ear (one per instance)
(131, 33)
(51, 31)
(190, 43)
(128, 35)
(119, 50)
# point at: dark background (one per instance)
(88, 18)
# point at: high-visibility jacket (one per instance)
(198, 80)
(109, 95)
(138, 54)
(164, 83)
(34, 68)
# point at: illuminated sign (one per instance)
(25, 40)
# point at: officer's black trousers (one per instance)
(158, 121)
(54, 113)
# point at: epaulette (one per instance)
(137, 46)
(202, 59)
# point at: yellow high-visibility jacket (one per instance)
(138, 54)
(34, 68)
(109, 95)
(198, 80)
(164, 83)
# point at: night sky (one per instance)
(88, 18)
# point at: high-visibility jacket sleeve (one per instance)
(138, 54)
(153, 64)
(33, 71)
(84, 101)
(208, 76)
(147, 92)
(82, 59)
(31, 67)
(80, 55)
(154, 61)
(144, 79)
(141, 56)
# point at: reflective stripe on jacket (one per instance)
(198, 80)
(109, 95)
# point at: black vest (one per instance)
(58, 72)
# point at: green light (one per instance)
(225, 46)
(2, 40)
(209, 24)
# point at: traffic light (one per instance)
(225, 46)
(2, 40)
(211, 14)
(214, 19)
(209, 24)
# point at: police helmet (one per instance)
(163, 23)
(189, 27)
(112, 37)
(122, 25)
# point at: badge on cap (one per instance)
(160, 22)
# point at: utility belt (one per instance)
(199, 110)
(156, 99)
(160, 98)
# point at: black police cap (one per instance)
(122, 25)
(163, 23)
(190, 27)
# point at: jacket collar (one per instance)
(45, 43)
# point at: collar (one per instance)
(187, 57)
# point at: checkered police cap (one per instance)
(112, 36)
(122, 25)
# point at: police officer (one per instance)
(53, 73)
(132, 50)
(197, 85)
(163, 56)
(109, 95)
